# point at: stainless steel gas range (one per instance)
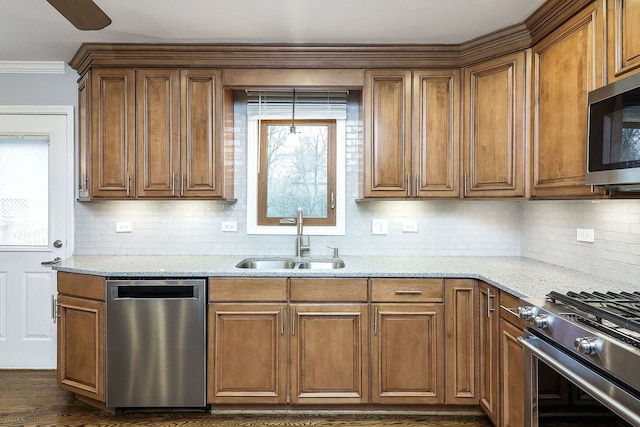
(593, 340)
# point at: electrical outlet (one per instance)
(410, 227)
(229, 226)
(124, 227)
(379, 226)
(585, 235)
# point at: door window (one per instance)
(24, 187)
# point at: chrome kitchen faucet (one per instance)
(300, 247)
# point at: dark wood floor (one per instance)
(32, 398)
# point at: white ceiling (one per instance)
(32, 30)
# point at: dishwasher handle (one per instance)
(153, 292)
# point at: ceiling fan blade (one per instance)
(85, 15)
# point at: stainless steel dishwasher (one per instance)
(156, 351)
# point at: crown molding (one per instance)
(32, 67)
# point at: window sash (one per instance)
(263, 218)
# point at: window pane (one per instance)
(297, 171)
(24, 189)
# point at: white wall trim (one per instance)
(32, 67)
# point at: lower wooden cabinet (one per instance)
(407, 341)
(461, 335)
(329, 357)
(268, 348)
(488, 343)
(81, 335)
(407, 360)
(248, 353)
(511, 376)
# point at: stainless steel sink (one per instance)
(290, 264)
(321, 265)
(275, 264)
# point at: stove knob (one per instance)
(540, 321)
(525, 312)
(586, 345)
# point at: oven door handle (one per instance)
(600, 388)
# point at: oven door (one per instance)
(613, 396)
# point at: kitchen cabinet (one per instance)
(81, 335)
(111, 127)
(566, 65)
(329, 341)
(623, 38)
(511, 375)
(247, 355)
(254, 350)
(494, 128)
(488, 341)
(461, 335)
(411, 133)
(153, 133)
(407, 341)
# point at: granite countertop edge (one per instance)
(522, 277)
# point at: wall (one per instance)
(39, 89)
(549, 234)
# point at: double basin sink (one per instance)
(290, 264)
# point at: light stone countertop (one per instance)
(521, 277)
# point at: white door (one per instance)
(36, 218)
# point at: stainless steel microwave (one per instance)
(613, 148)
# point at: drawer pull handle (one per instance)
(408, 292)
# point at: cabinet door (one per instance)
(494, 128)
(84, 137)
(81, 346)
(567, 64)
(461, 307)
(112, 133)
(247, 353)
(623, 38)
(201, 134)
(157, 126)
(387, 133)
(329, 354)
(436, 113)
(511, 376)
(488, 343)
(407, 353)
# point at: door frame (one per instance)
(70, 159)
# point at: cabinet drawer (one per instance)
(237, 289)
(81, 285)
(329, 290)
(509, 308)
(407, 290)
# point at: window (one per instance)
(297, 172)
(307, 170)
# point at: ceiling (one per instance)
(32, 30)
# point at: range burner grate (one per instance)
(615, 314)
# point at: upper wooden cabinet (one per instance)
(567, 64)
(411, 133)
(111, 127)
(623, 38)
(152, 133)
(494, 128)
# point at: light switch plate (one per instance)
(379, 226)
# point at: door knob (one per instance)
(57, 244)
